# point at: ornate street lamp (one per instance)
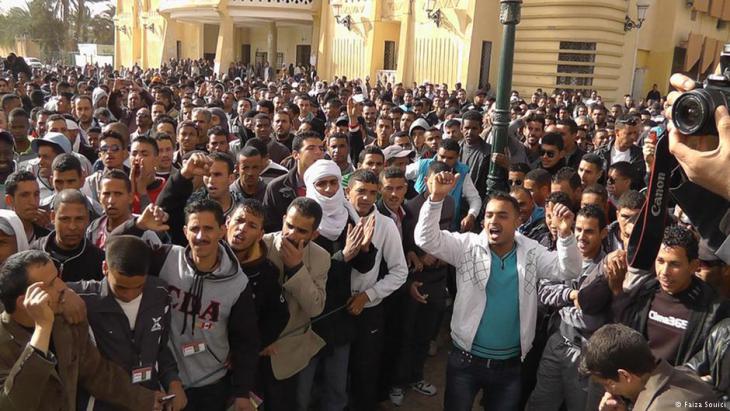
(339, 18)
(509, 16)
(641, 9)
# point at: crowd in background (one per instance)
(266, 238)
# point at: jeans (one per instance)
(212, 397)
(465, 377)
(333, 361)
(558, 379)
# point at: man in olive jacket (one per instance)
(43, 359)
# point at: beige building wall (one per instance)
(550, 44)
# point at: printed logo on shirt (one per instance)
(156, 326)
(183, 302)
(673, 322)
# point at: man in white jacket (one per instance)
(369, 289)
(493, 323)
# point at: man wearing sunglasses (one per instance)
(112, 153)
(624, 148)
(552, 154)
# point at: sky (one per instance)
(9, 4)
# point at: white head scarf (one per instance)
(335, 209)
(9, 221)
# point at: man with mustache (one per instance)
(213, 327)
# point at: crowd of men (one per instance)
(175, 239)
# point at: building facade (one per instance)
(560, 44)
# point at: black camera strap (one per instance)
(649, 229)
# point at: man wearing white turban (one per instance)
(345, 236)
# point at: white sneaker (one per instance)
(424, 387)
(396, 396)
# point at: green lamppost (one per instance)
(509, 16)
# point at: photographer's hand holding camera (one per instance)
(705, 159)
(699, 139)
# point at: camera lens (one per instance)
(690, 112)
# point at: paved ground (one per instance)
(435, 373)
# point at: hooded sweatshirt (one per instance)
(213, 308)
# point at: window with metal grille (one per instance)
(576, 57)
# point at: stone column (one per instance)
(224, 49)
(272, 45)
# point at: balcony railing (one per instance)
(385, 76)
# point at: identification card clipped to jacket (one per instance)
(192, 348)
(142, 374)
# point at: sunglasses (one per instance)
(631, 121)
(549, 154)
(515, 182)
(110, 149)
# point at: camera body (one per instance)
(693, 113)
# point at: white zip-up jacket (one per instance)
(470, 254)
(388, 242)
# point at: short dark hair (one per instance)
(339, 136)
(370, 150)
(217, 131)
(594, 159)
(437, 167)
(15, 178)
(128, 255)
(363, 176)
(625, 169)
(559, 197)
(225, 158)
(598, 190)
(203, 205)
(149, 141)
(632, 200)
(251, 205)
(678, 236)
(520, 167)
(540, 176)
(66, 162)
(308, 208)
(569, 175)
(553, 139)
(594, 211)
(14, 275)
(259, 145)
(249, 151)
(70, 196)
(449, 144)
(570, 123)
(613, 347)
(472, 115)
(393, 172)
(502, 196)
(298, 141)
(115, 174)
(113, 134)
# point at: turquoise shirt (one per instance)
(498, 335)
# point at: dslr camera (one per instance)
(693, 113)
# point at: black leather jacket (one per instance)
(712, 359)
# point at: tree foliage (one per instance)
(57, 25)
